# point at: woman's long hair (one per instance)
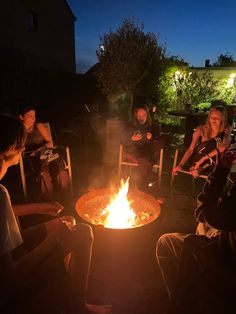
(12, 137)
(208, 130)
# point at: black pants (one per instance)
(51, 178)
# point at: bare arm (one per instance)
(46, 135)
(189, 151)
(225, 144)
(50, 208)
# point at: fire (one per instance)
(119, 213)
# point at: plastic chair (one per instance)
(126, 160)
(67, 167)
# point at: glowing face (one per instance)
(141, 116)
(215, 119)
(28, 118)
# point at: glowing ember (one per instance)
(119, 213)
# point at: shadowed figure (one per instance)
(141, 143)
(199, 269)
(44, 268)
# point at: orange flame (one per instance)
(119, 213)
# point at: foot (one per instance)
(98, 309)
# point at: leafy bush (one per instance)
(179, 89)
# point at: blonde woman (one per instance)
(207, 140)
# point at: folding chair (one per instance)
(67, 167)
(126, 160)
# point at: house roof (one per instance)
(70, 10)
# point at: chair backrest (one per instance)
(127, 160)
(123, 162)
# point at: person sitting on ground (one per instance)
(141, 141)
(207, 140)
(38, 260)
(46, 163)
(186, 260)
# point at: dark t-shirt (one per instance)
(143, 148)
(34, 139)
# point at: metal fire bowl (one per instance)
(89, 206)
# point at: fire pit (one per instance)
(124, 210)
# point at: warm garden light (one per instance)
(177, 74)
(230, 82)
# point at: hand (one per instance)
(37, 151)
(137, 136)
(55, 208)
(194, 172)
(69, 221)
(175, 170)
(149, 135)
(197, 164)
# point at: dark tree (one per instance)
(225, 60)
(130, 61)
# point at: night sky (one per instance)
(194, 30)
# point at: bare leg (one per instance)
(46, 183)
(79, 265)
(77, 245)
(78, 268)
(168, 252)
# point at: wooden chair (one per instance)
(175, 162)
(125, 160)
(68, 167)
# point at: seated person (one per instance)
(32, 261)
(187, 262)
(207, 140)
(141, 141)
(48, 166)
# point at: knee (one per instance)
(161, 243)
(163, 240)
(85, 233)
(166, 243)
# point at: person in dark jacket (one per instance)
(141, 141)
(199, 269)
